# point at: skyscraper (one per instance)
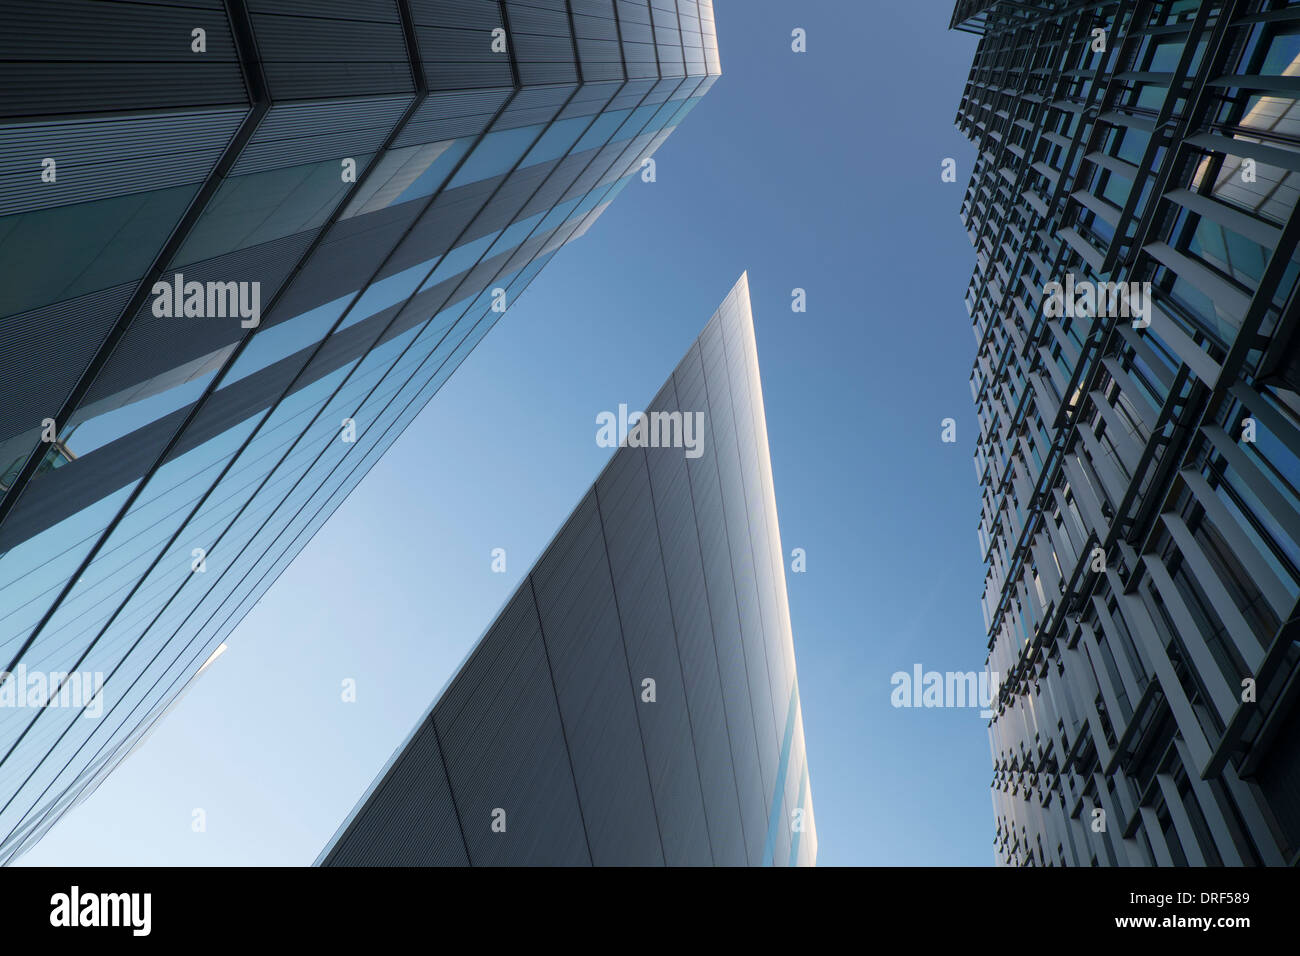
(635, 702)
(242, 243)
(1138, 443)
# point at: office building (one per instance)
(242, 243)
(1133, 213)
(635, 702)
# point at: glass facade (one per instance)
(241, 245)
(1139, 462)
(635, 702)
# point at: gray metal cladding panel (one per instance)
(307, 56)
(671, 61)
(53, 254)
(450, 115)
(788, 798)
(563, 174)
(641, 589)
(592, 8)
(542, 41)
(349, 256)
(410, 819)
(599, 62)
(627, 162)
(632, 11)
(707, 24)
(675, 520)
(637, 32)
(461, 59)
(109, 156)
(507, 204)
(756, 498)
(101, 55)
(542, 17)
(666, 32)
(377, 330)
(637, 63)
(533, 106)
(652, 147)
(769, 714)
(195, 4)
(634, 94)
(603, 70)
(596, 169)
(713, 66)
(482, 274)
(472, 103)
(455, 39)
(525, 252)
(40, 361)
(265, 207)
(534, 71)
(438, 228)
(754, 787)
(293, 134)
(768, 561)
(376, 11)
(665, 89)
(504, 748)
(451, 45)
(526, 98)
(431, 301)
(457, 76)
(580, 624)
(634, 31)
(597, 174)
(544, 48)
(153, 345)
(294, 80)
(600, 27)
(637, 583)
(593, 97)
(482, 15)
(555, 5)
(536, 116)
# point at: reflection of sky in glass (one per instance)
(1270, 196)
(405, 174)
(139, 605)
(1274, 192)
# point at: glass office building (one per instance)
(635, 702)
(242, 243)
(1139, 459)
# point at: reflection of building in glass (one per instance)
(1140, 483)
(635, 702)
(381, 179)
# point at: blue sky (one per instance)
(817, 171)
